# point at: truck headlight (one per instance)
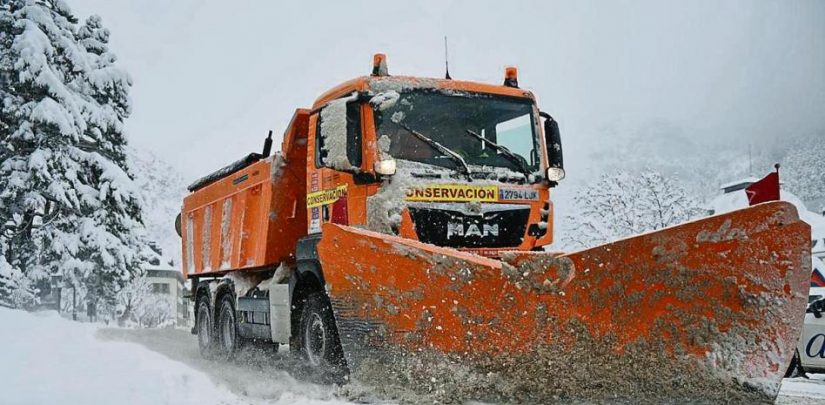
(555, 173)
(385, 167)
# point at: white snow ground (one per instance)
(809, 390)
(45, 359)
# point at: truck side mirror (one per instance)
(552, 141)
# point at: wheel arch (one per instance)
(225, 287)
(307, 278)
(307, 261)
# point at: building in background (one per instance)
(169, 283)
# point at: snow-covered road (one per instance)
(802, 391)
(258, 373)
(49, 360)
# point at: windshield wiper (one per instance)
(440, 148)
(506, 152)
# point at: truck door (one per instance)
(336, 158)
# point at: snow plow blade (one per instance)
(705, 311)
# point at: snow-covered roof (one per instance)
(738, 184)
(159, 267)
(741, 184)
(165, 273)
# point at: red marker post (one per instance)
(764, 190)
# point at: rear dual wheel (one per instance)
(217, 338)
(206, 342)
(228, 339)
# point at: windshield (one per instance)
(462, 124)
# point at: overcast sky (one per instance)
(210, 78)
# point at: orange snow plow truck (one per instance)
(398, 236)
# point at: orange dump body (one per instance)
(705, 311)
(251, 218)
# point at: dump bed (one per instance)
(250, 218)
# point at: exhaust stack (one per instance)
(267, 145)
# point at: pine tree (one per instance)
(40, 115)
(108, 87)
(7, 286)
(65, 194)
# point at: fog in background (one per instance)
(626, 80)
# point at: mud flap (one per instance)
(705, 311)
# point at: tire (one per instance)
(319, 342)
(228, 339)
(205, 328)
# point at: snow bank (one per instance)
(51, 360)
(47, 359)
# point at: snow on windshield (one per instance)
(480, 129)
(384, 100)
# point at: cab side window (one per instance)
(353, 135)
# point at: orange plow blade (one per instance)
(705, 311)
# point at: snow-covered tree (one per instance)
(622, 204)
(803, 171)
(163, 190)
(108, 86)
(138, 305)
(68, 203)
(15, 289)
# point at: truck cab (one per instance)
(452, 163)
(455, 164)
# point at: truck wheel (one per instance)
(206, 342)
(320, 346)
(227, 340)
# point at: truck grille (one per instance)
(457, 228)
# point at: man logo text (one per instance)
(459, 229)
